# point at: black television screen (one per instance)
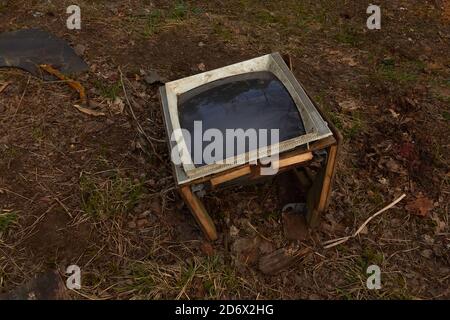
(255, 100)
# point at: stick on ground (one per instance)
(335, 242)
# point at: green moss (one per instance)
(109, 91)
(102, 199)
(6, 220)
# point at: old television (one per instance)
(260, 93)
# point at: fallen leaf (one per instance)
(118, 105)
(201, 67)
(421, 206)
(89, 111)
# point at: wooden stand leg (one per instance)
(329, 175)
(199, 212)
(319, 194)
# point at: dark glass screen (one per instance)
(256, 100)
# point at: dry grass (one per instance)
(113, 194)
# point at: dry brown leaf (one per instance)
(117, 105)
(201, 66)
(89, 111)
(421, 206)
(393, 166)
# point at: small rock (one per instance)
(246, 250)
(43, 286)
(201, 44)
(153, 77)
(37, 14)
(294, 226)
(266, 247)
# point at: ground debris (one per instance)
(420, 206)
(44, 286)
(152, 77)
(281, 259)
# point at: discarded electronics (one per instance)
(27, 49)
(218, 125)
(43, 55)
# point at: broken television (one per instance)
(260, 94)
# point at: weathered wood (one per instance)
(303, 178)
(319, 194)
(313, 198)
(281, 259)
(231, 175)
(314, 146)
(329, 173)
(322, 143)
(294, 226)
(199, 212)
(297, 159)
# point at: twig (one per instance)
(140, 129)
(259, 233)
(16, 194)
(335, 242)
(3, 86)
(21, 98)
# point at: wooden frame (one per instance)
(317, 197)
(318, 194)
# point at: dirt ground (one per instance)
(92, 191)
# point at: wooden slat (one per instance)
(199, 212)
(231, 175)
(319, 194)
(281, 259)
(329, 172)
(303, 157)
